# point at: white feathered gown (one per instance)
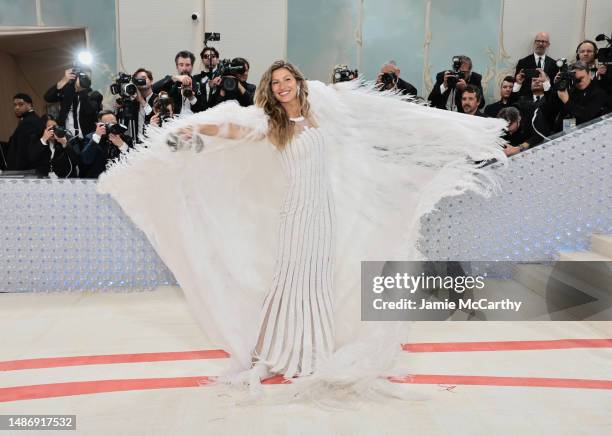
(267, 245)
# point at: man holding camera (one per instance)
(78, 103)
(449, 87)
(577, 96)
(230, 83)
(186, 94)
(528, 67)
(145, 97)
(106, 144)
(538, 99)
(162, 110)
(18, 156)
(388, 79)
(210, 62)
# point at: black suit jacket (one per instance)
(493, 109)
(174, 91)
(439, 100)
(529, 62)
(90, 103)
(202, 79)
(246, 99)
(583, 105)
(543, 121)
(21, 154)
(95, 157)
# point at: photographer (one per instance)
(134, 104)
(57, 153)
(342, 73)
(539, 98)
(521, 132)
(186, 94)
(162, 110)
(210, 62)
(78, 103)
(230, 83)
(145, 97)
(528, 67)
(450, 84)
(577, 96)
(106, 144)
(388, 79)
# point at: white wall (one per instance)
(567, 21)
(152, 32)
(255, 30)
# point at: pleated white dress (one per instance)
(296, 327)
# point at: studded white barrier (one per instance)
(553, 198)
(62, 235)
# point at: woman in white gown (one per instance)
(356, 172)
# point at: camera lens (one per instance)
(130, 89)
(229, 84)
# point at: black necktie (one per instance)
(539, 62)
(75, 114)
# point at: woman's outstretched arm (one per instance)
(229, 131)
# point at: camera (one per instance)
(604, 55)
(187, 92)
(126, 86)
(228, 70)
(566, 77)
(59, 131)
(115, 128)
(84, 79)
(343, 74)
(161, 106)
(457, 74)
(211, 36)
(388, 80)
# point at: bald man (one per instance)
(388, 79)
(538, 59)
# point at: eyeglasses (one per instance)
(209, 56)
(539, 41)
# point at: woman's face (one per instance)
(50, 123)
(284, 85)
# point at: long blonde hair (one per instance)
(280, 128)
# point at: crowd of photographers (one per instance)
(543, 97)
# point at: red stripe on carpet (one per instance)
(532, 382)
(54, 362)
(558, 344)
(20, 393)
(434, 347)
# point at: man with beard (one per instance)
(186, 94)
